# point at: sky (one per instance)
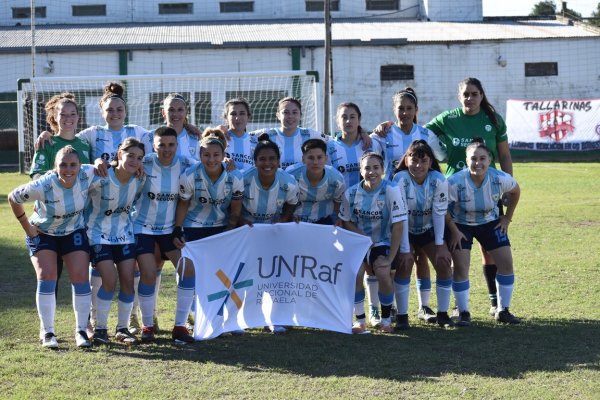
(523, 7)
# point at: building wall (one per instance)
(455, 10)
(437, 70)
(60, 12)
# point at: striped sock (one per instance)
(402, 290)
(125, 305)
(461, 295)
(46, 303)
(146, 294)
(443, 288)
(82, 299)
(185, 297)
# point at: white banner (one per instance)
(283, 274)
(553, 125)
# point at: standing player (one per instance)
(242, 143)
(174, 110)
(456, 128)
(110, 232)
(270, 194)
(57, 229)
(426, 193)
(320, 186)
(155, 220)
(473, 196)
(376, 208)
(210, 202)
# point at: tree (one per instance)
(544, 8)
(596, 14)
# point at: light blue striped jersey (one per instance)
(316, 202)
(155, 210)
(291, 146)
(209, 202)
(105, 142)
(471, 205)
(262, 206)
(241, 150)
(58, 211)
(188, 145)
(110, 219)
(425, 200)
(346, 159)
(374, 212)
(397, 142)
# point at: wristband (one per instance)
(20, 216)
(177, 233)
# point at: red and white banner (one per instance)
(553, 125)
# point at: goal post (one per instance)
(205, 93)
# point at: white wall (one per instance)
(455, 10)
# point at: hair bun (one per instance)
(264, 137)
(114, 88)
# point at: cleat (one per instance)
(374, 318)
(101, 336)
(360, 328)
(444, 320)
(464, 319)
(181, 335)
(124, 336)
(401, 322)
(82, 340)
(148, 334)
(49, 341)
(505, 317)
(386, 325)
(493, 310)
(134, 324)
(277, 329)
(426, 314)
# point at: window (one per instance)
(383, 5)
(263, 103)
(541, 69)
(334, 5)
(176, 8)
(397, 72)
(237, 6)
(25, 12)
(89, 10)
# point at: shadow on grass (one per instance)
(422, 353)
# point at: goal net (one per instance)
(206, 95)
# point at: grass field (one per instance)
(553, 354)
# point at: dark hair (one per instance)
(175, 96)
(289, 100)
(68, 149)
(418, 148)
(213, 136)
(126, 145)
(311, 144)
(234, 102)
(264, 142)
(112, 90)
(478, 143)
(489, 110)
(52, 105)
(163, 131)
(372, 154)
(349, 104)
(406, 93)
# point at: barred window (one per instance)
(541, 69)
(397, 72)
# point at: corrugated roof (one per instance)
(267, 34)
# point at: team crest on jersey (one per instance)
(488, 128)
(47, 187)
(280, 202)
(192, 151)
(495, 197)
(380, 203)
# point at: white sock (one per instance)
(443, 288)
(402, 290)
(45, 300)
(185, 298)
(372, 285)
(424, 291)
(125, 305)
(146, 295)
(82, 299)
(95, 284)
(461, 295)
(103, 301)
(505, 284)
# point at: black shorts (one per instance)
(144, 244)
(375, 252)
(114, 252)
(191, 234)
(487, 235)
(61, 245)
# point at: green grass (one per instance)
(554, 354)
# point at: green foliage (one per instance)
(553, 354)
(596, 15)
(547, 7)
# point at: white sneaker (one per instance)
(82, 340)
(374, 318)
(134, 324)
(50, 341)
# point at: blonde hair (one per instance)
(52, 106)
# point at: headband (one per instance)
(212, 139)
(404, 92)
